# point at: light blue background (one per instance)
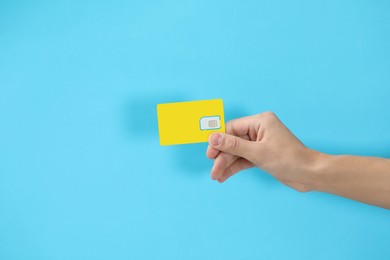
(82, 175)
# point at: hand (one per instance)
(265, 142)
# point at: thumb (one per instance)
(233, 145)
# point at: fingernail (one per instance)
(216, 139)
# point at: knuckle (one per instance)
(268, 117)
(223, 158)
(269, 114)
(301, 188)
(227, 172)
(229, 128)
(232, 144)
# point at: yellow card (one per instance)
(189, 122)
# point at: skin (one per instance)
(263, 141)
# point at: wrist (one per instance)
(315, 170)
(318, 171)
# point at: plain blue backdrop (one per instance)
(82, 175)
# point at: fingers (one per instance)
(245, 126)
(221, 163)
(212, 153)
(233, 151)
(233, 145)
(243, 146)
(238, 165)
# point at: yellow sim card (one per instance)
(189, 122)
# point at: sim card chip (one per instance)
(213, 123)
(210, 123)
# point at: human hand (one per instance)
(265, 142)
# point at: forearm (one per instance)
(365, 179)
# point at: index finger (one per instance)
(212, 153)
(244, 126)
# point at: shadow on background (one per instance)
(141, 116)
